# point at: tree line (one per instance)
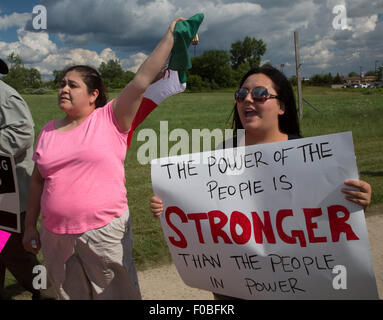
(214, 69)
(20, 77)
(320, 80)
(328, 79)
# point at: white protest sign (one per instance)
(267, 221)
(9, 195)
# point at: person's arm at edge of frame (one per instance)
(33, 211)
(128, 101)
(17, 134)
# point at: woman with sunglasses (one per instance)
(265, 107)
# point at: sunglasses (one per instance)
(259, 94)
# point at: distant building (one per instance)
(359, 80)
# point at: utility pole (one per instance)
(376, 70)
(298, 72)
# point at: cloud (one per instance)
(133, 24)
(362, 25)
(358, 8)
(320, 54)
(117, 22)
(64, 58)
(14, 20)
(38, 51)
(134, 62)
(130, 29)
(31, 46)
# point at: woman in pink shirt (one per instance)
(78, 184)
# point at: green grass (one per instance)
(341, 110)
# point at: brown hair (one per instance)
(288, 122)
(93, 81)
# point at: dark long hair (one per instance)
(93, 81)
(288, 122)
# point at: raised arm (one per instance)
(128, 101)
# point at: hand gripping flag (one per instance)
(184, 33)
(174, 78)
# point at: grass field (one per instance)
(359, 111)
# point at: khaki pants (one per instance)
(97, 264)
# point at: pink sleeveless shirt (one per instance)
(84, 174)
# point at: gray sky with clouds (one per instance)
(92, 31)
